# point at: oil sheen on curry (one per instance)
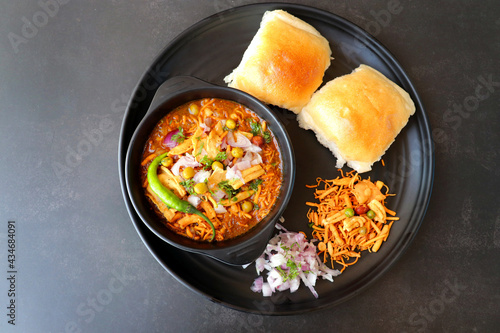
(223, 159)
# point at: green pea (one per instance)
(370, 214)
(349, 212)
(362, 231)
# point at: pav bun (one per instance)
(358, 116)
(284, 63)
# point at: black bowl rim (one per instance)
(265, 228)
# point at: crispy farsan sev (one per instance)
(329, 221)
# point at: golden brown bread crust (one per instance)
(358, 116)
(285, 62)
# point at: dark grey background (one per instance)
(82, 266)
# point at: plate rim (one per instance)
(402, 244)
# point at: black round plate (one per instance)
(210, 50)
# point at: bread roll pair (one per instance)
(357, 116)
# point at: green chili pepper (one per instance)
(168, 197)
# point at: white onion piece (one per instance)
(277, 260)
(243, 142)
(234, 173)
(254, 157)
(185, 161)
(220, 209)
(266, 290)
(223, 144)
(253, 149)
(240, 140)
(259, 264)
(257, 284)
(282, 251)
(243, 165)
(201, 176)
(218, 195)
(194, 200)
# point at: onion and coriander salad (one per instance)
(216, 155)
(350, 217)
(289, 259)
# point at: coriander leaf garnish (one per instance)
(179, 136)
(267, 136)
(255, 127)
(188, 185)
(228, 189)
(255, 184)
(221, 156)
(206, 162)
(202, 144)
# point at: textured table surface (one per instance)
(66, 70)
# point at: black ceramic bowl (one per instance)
(171, 94)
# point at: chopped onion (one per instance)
(223, 144)
(243, 165)
(234, 173)
(220, 209)
(289, 259)
(240, 140)
(253, 148)
(194, 200)
(219, 195)
(253, 157)
(168, 142)
(185, 161)
(201, 176)
(257, 284)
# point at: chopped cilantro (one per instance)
(267, 136)
(293, 268)
(188, 185)
(228, 189)
(207, 162)
(202, 144)
(209, 189)
(255, 184)
(255, 127)
(221, 156)
(179, 137)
